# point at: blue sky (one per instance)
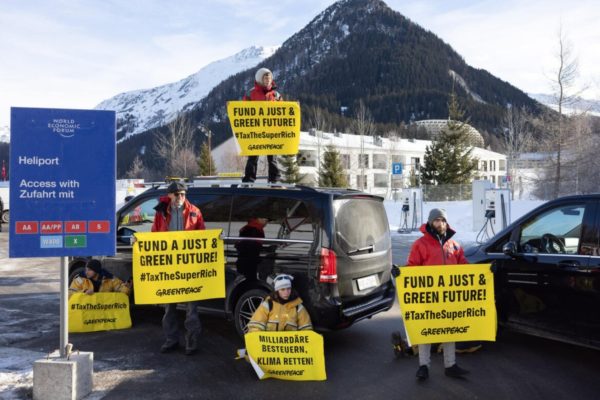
(74, 54)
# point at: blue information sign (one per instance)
(397, 168)
(62, 186)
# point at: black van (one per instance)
(335, 242)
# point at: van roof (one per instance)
(254, 187)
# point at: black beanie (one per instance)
(94, 265)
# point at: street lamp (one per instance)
(208, 133)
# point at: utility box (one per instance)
(411, 217)
(479, 206)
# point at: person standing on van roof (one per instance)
(96, 279)
(249, 250)
(282, 310)
(436, 247)
(175, 213)
(264, 90)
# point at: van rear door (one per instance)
(362, 245)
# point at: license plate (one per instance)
(367, 282)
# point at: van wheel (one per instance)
(5, 216)
(245, 307)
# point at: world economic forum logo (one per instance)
(65, 127)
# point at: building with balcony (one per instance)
(367, 160)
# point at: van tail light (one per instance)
(328, 272)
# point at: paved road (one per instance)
(360, 362)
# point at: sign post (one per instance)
(62, 188)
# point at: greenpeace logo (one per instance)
(444, 331)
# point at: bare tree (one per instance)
(563, 86)
(317, 119)
(137, 168)
(517, 139)
(580, 156)
(170, 146)
(363, 125)
(185, 163)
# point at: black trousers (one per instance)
(252, 166)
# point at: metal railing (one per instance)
(447, 192)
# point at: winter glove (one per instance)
(395, 271)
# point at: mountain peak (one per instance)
(141, 110)
(254, 52)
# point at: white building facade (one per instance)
(367, 160)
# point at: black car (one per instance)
(547, 278)
(335, 242)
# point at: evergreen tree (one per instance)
(291, 172)
(332, 173)
(449, 160)
(206, 162)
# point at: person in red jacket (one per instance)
(264, 90)
(436, 247)
(175, 213)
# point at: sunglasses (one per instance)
(182, 194)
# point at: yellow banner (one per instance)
(447, 303)
(293, 356)
(265, 127)
(179, 266)
(103, 311)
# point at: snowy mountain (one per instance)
(141, 110)
(358, 51)
(363, 51)
(578, 106)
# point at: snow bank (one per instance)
(16, 372)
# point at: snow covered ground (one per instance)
(16, 364)
(460, 216)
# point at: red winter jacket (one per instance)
(261, 93)
(191, 215)
(429, 250)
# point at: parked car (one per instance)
(547, 281)
(335, 242)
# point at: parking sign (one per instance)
(62, 186)
(397, 168)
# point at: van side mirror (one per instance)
(510, 249)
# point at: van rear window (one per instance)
(361, 226)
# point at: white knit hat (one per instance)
(283, 281)
(260, 73)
